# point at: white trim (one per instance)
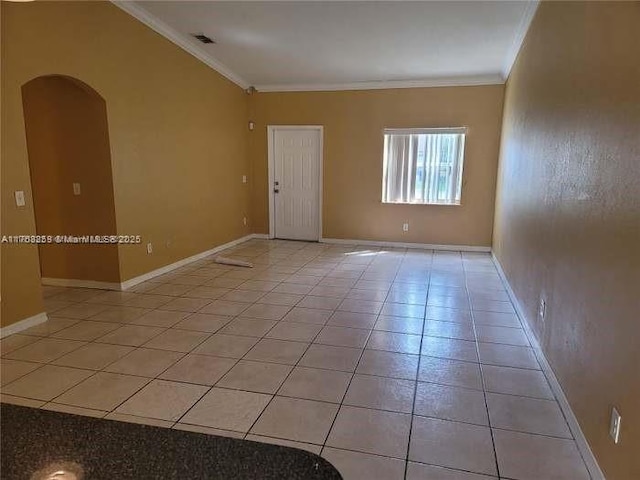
(425, 246)
(574, 426)
(23, 324)
(181, 263)
(262, 236)
(181, 40)
(469, 81)
(426, 131)
(518, 39)
(70, 282)
(271, 129)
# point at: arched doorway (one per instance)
(71, 179)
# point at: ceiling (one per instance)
(313, 45)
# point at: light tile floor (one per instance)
(390, 363)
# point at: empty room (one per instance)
(320, 240)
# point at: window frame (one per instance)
(462, 130)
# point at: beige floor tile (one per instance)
(402, 310)
(93, 356)
(358, 466)
(369, 295)
(121, 417)
(221, 345)
(381, 393)
(399, 324)
(46, 383)
(200, 369)
(16, 341)
(388, 364)
(493, 306)
(54, 324)
(328, 291)
(507, 356)
(451, 403)
(450, 372)
(360, 306)
(296, 419)
(245, 296)
(85, 330)
(177, 340)
(145, 300)
(459, 302)
(81, 310)
(496, 319)
(145, 362)
(371, 431)
(86, 412)
(324, 303)
(258, 285)
(298, 332)
(225, 307)
(460, 331)
(120, 314)
(185, 304)
(204, 291)
(25, 402)
(255, 377)
(530, 415)
(285, 443)
(316, 384)
(447, 314)
(420, 471)
(313, 316)
(160, 318)
(132, 335)
(163, 400)
(207, 430)
(266, 312)
(394, 342)
(519, 456)
(44, 350)
(277, 351)
(505, 335)
(352, 320)
(248, 327)
(11, 370)
(342, 337)
(332, 358)
(516, 381)
(293, 288)
(202, 322)
(227, 409)
(285, 299)
(440, 442)
(229, 283)
(173, 290)
(449, 348)
(103, 391)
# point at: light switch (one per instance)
(76, 189)
(20, 198)
(244, 179)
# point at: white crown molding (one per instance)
(181, 40)
(518, 40)
(468, 81)
(23, 324)
(424, 246)
(581, 441)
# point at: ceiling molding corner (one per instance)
(467, 81)
(518, 40)
(179, 39)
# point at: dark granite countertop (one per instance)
(34, 440)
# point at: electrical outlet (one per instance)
(405, 227)
(614, 426)
(542, 309)
(149, 248)
(244, 220)
(19, 198)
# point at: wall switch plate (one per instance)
(20, 198)
(149, 248)
(542, 309)
(252, 126)
(244, 220)
(76, 188)
(614, 425)
(405, 227)
(244, 179)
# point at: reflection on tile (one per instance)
(451, 403)
(356, 465)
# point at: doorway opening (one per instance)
(295, 182)
(71, 181)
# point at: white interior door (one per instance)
(296, 183)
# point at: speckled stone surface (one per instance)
(33, 440)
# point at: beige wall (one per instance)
(568, 210)
(67, 142)
(178, 134)
(353, 139)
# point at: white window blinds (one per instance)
(423, 166)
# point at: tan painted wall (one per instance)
(568, 210)
(177, 129)
(353, 139)
(67, 142)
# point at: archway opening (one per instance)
(71, 179)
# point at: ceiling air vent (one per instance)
(203, 38)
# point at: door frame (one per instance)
(271, 131)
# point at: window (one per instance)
(423, 166)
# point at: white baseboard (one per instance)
(574, 426)
(69, 282)
(424, 246)
(181, 263)
(23, 324)
(262, 236)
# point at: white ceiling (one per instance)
(313, 45)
